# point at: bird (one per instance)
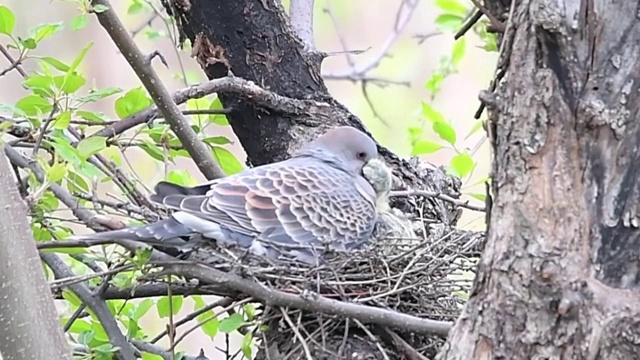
(315, 201)
(393, 228)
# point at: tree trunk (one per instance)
(253, 40)
(29, 327)
(559, 275)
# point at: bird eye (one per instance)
(362, 155)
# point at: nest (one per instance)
(428, 278)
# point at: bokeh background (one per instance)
(356, 24)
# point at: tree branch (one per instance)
(97, 305)
(310, 302)
(177, 121)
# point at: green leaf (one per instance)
(231, 323)
(97, 94)
(198, 104)
(209, 323)
(218, 119)
(62, 121)
(217, 140)
(422, 147)
(163, 305)
(76, 62)
(80, 326)
(69, 83)
(91, 116)
(150, 356)
(44, 31)
(181, 177)
(40, 82)
(445, 131)
(79, 22)
(64, 149)
(33, 105)
(247, 340)
(135, 8)
(250, 311)
(28, 43)
(449, 21)
(56, 172)
(479, 196)
(142, 309)
(227, 160)
(459, 49)
(133, 101)
(7, 20)
(452, 7)
(55, 63)
(76, 183)
(462, 164)
(100, 8)
(152, 150)
(477, 126)
(91, 146)
(431, 114)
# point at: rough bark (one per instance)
(253, 40)
(559, 275)
(29, 327)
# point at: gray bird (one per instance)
(296, 208)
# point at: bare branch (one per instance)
(460, 203)
(301, 13)
(152, 82)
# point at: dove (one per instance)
(297, 208)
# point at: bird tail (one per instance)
(168, 232)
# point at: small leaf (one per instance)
(217, 140)
(62, 121)
(163, 305)
(69, 83)
(209, 323)
(218, 119)
(480, 196)
(452, 7)
(250, 311)
(247, 341)
(91, 116)
(76, 62)
(44, 31)
(55, 63)
(181, 177)
(152, 150)
(462, 164)
(132, 102)
(227, 160)
(459, 49)
(479, 124)
(150, 356)
(7, 20)
(431, 114)
(445, 131)
(142, 309)
(231, 323)
(449, 21)
(79, 22)
(97, 94)
(99, 8)
(422, 147)
(56, 172)
(33, 105)
(91, 146)
(28, 43)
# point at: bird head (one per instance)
(349, 147)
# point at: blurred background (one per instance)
(366, 26)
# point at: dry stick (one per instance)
(152, 82)
(310, 302)
(460, 203)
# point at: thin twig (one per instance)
(460, 203)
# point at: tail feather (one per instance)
(168, 232)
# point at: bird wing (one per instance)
(299, 202)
